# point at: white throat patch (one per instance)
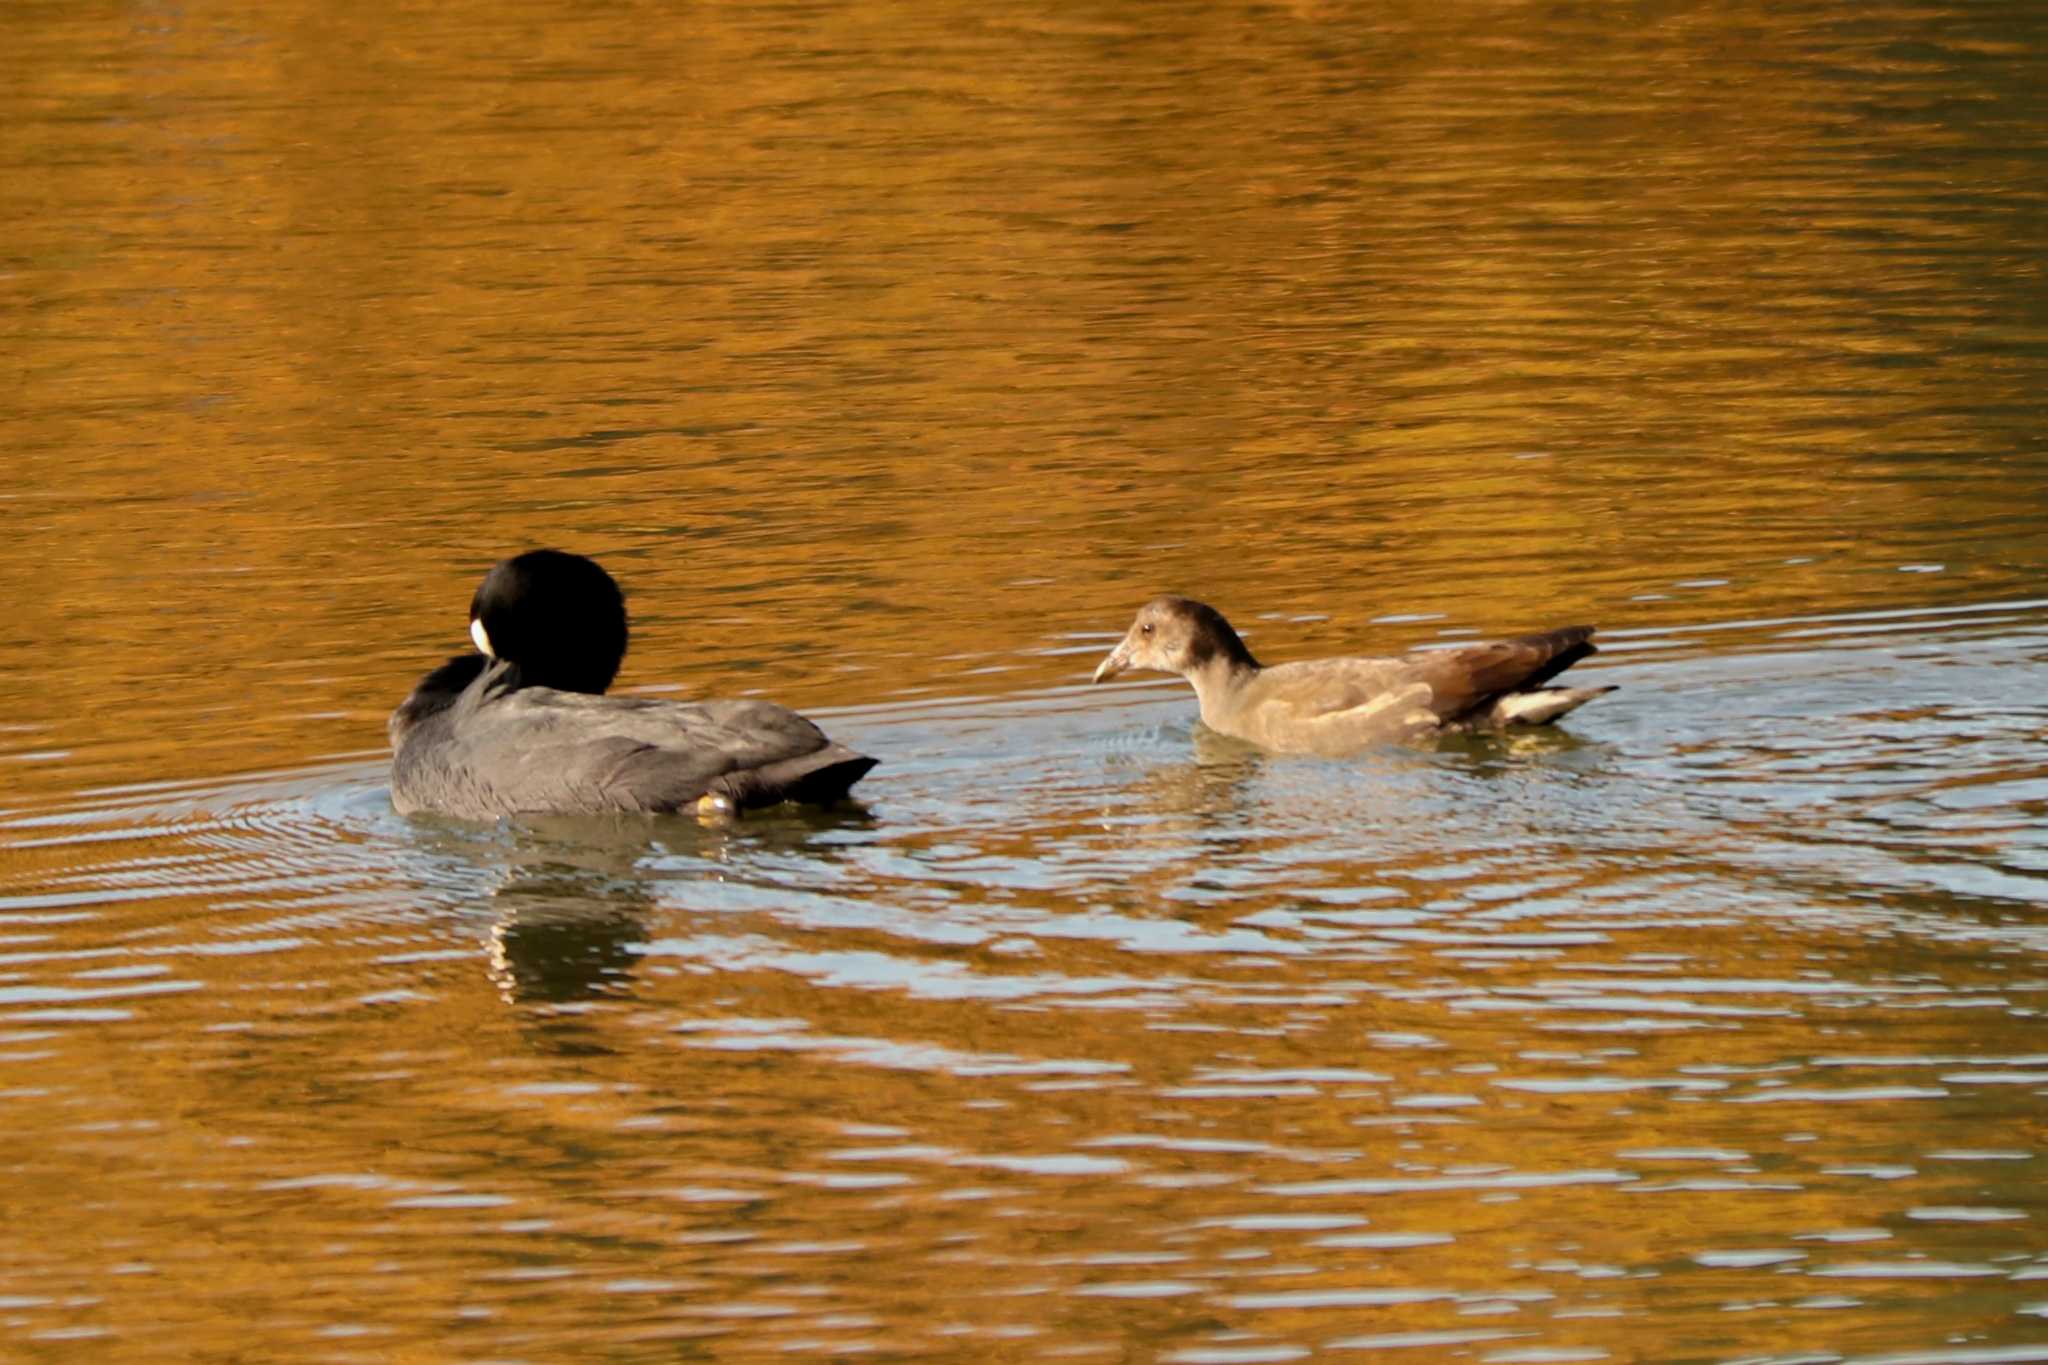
(483, 641)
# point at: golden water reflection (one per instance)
(891, 355)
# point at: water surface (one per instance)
(892, 356)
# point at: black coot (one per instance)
(524, 727)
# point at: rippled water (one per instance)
(892, 356)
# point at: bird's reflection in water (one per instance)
(1495, 754)
(1218, 783)
(569, 907)
(558, 939)
(1207, 805)
(575, 896)
(1230, 794)
(1230, 782)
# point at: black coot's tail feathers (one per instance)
(818, 778)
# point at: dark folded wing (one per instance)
(1470, 676)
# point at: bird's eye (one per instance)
(1145, 629)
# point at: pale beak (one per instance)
(482, 640)
(1119, 659)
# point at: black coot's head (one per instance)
(558, 616)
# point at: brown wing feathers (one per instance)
(1468, 678)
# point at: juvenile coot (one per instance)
(1336, 706)
(523, 726)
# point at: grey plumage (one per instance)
(497, 750)
(476, 740)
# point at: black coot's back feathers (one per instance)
(526, 729)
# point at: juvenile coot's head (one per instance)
(558, 616)
(1175, 635)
